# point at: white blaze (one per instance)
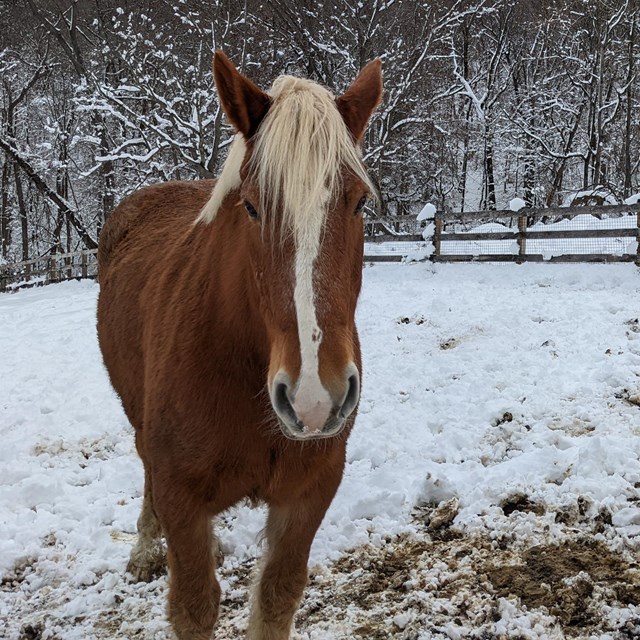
(312, 402)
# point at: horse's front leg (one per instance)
(194, 592)
(289, 534)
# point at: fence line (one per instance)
(450, 229)
(50, 268)
(459, 237)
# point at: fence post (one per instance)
(84, 264)
(522, 238)
(437, 235)
(638, 239)
(53, 270)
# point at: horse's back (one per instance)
(133, 251)
(155, 210)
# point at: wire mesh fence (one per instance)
(589, 234)
(546, 235)
(393, 238)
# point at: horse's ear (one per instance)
(361, 99)
(244, 103)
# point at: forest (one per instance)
(484, 100)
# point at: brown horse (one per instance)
(226, 322)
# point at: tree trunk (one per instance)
(108, 178)
(24, 217)
(465, 161)
(49, 193)
(629, 113)
(5, 213)
(490, 184)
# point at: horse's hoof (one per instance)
(146, 571)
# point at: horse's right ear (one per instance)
(243, 102)
(361, 99)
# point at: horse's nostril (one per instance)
(281, 396)
(281, 402)
(352, 397)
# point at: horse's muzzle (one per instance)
(314, 418)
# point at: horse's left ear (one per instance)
(245, 104)
(361, 99)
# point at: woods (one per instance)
(485, 99)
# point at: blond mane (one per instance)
(299, 152)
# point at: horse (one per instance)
(226, 324)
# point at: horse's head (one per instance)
(296, 176)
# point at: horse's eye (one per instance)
(251, 210)
(361, 203)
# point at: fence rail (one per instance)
(562, 234)
(528, 235)
(54, 267)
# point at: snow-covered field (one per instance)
(492, 487)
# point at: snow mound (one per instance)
(428, 212)
(516, 204)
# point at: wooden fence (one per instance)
(453, 237)
(50, 268)
(608, 234)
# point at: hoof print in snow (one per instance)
(507, 416)
(634, 399)
(444, 514)
(418, 320)
(634, 325)
(627, 396)
(521, 502)
(32, 631)
(451, 343)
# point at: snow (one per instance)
(481, 383)
(516, 204)
(428, 212)
(593, 194)
(633, 199)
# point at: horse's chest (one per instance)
(286, 476)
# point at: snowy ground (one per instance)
(492, 487)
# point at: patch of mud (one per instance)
(521, 502)
(569, 579)
(461, 588)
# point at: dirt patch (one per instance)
(564, 578)
(520, 502)
(408, 586)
